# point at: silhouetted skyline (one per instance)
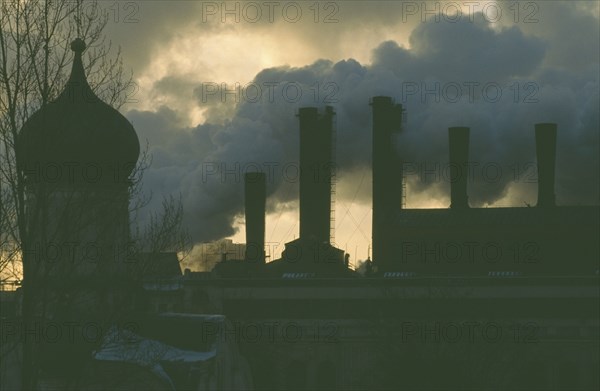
(180, 109)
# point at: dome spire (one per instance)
(77, 87)
(77, 72)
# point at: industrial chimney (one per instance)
(459, 157)
(387, 174)
(312, 252)
(545, 144)
(255, 199)
(316, 168)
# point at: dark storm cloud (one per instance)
(572, 31)
(144, 27)
(472, 50)
(206, 163)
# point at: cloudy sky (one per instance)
(218, 84)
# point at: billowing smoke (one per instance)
(498, 81)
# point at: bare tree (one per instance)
(35, 57)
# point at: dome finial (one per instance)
(78, 45)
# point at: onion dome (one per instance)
(77, 138)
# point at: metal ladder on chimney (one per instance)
(333, 178)
(403, 195)
(403, 122)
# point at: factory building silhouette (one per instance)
(529, 273)
(472, 241)
(440, 308)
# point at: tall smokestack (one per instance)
(459, 157)
(315, 173)
(387, 174)
(545, 144)
(255, 199)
